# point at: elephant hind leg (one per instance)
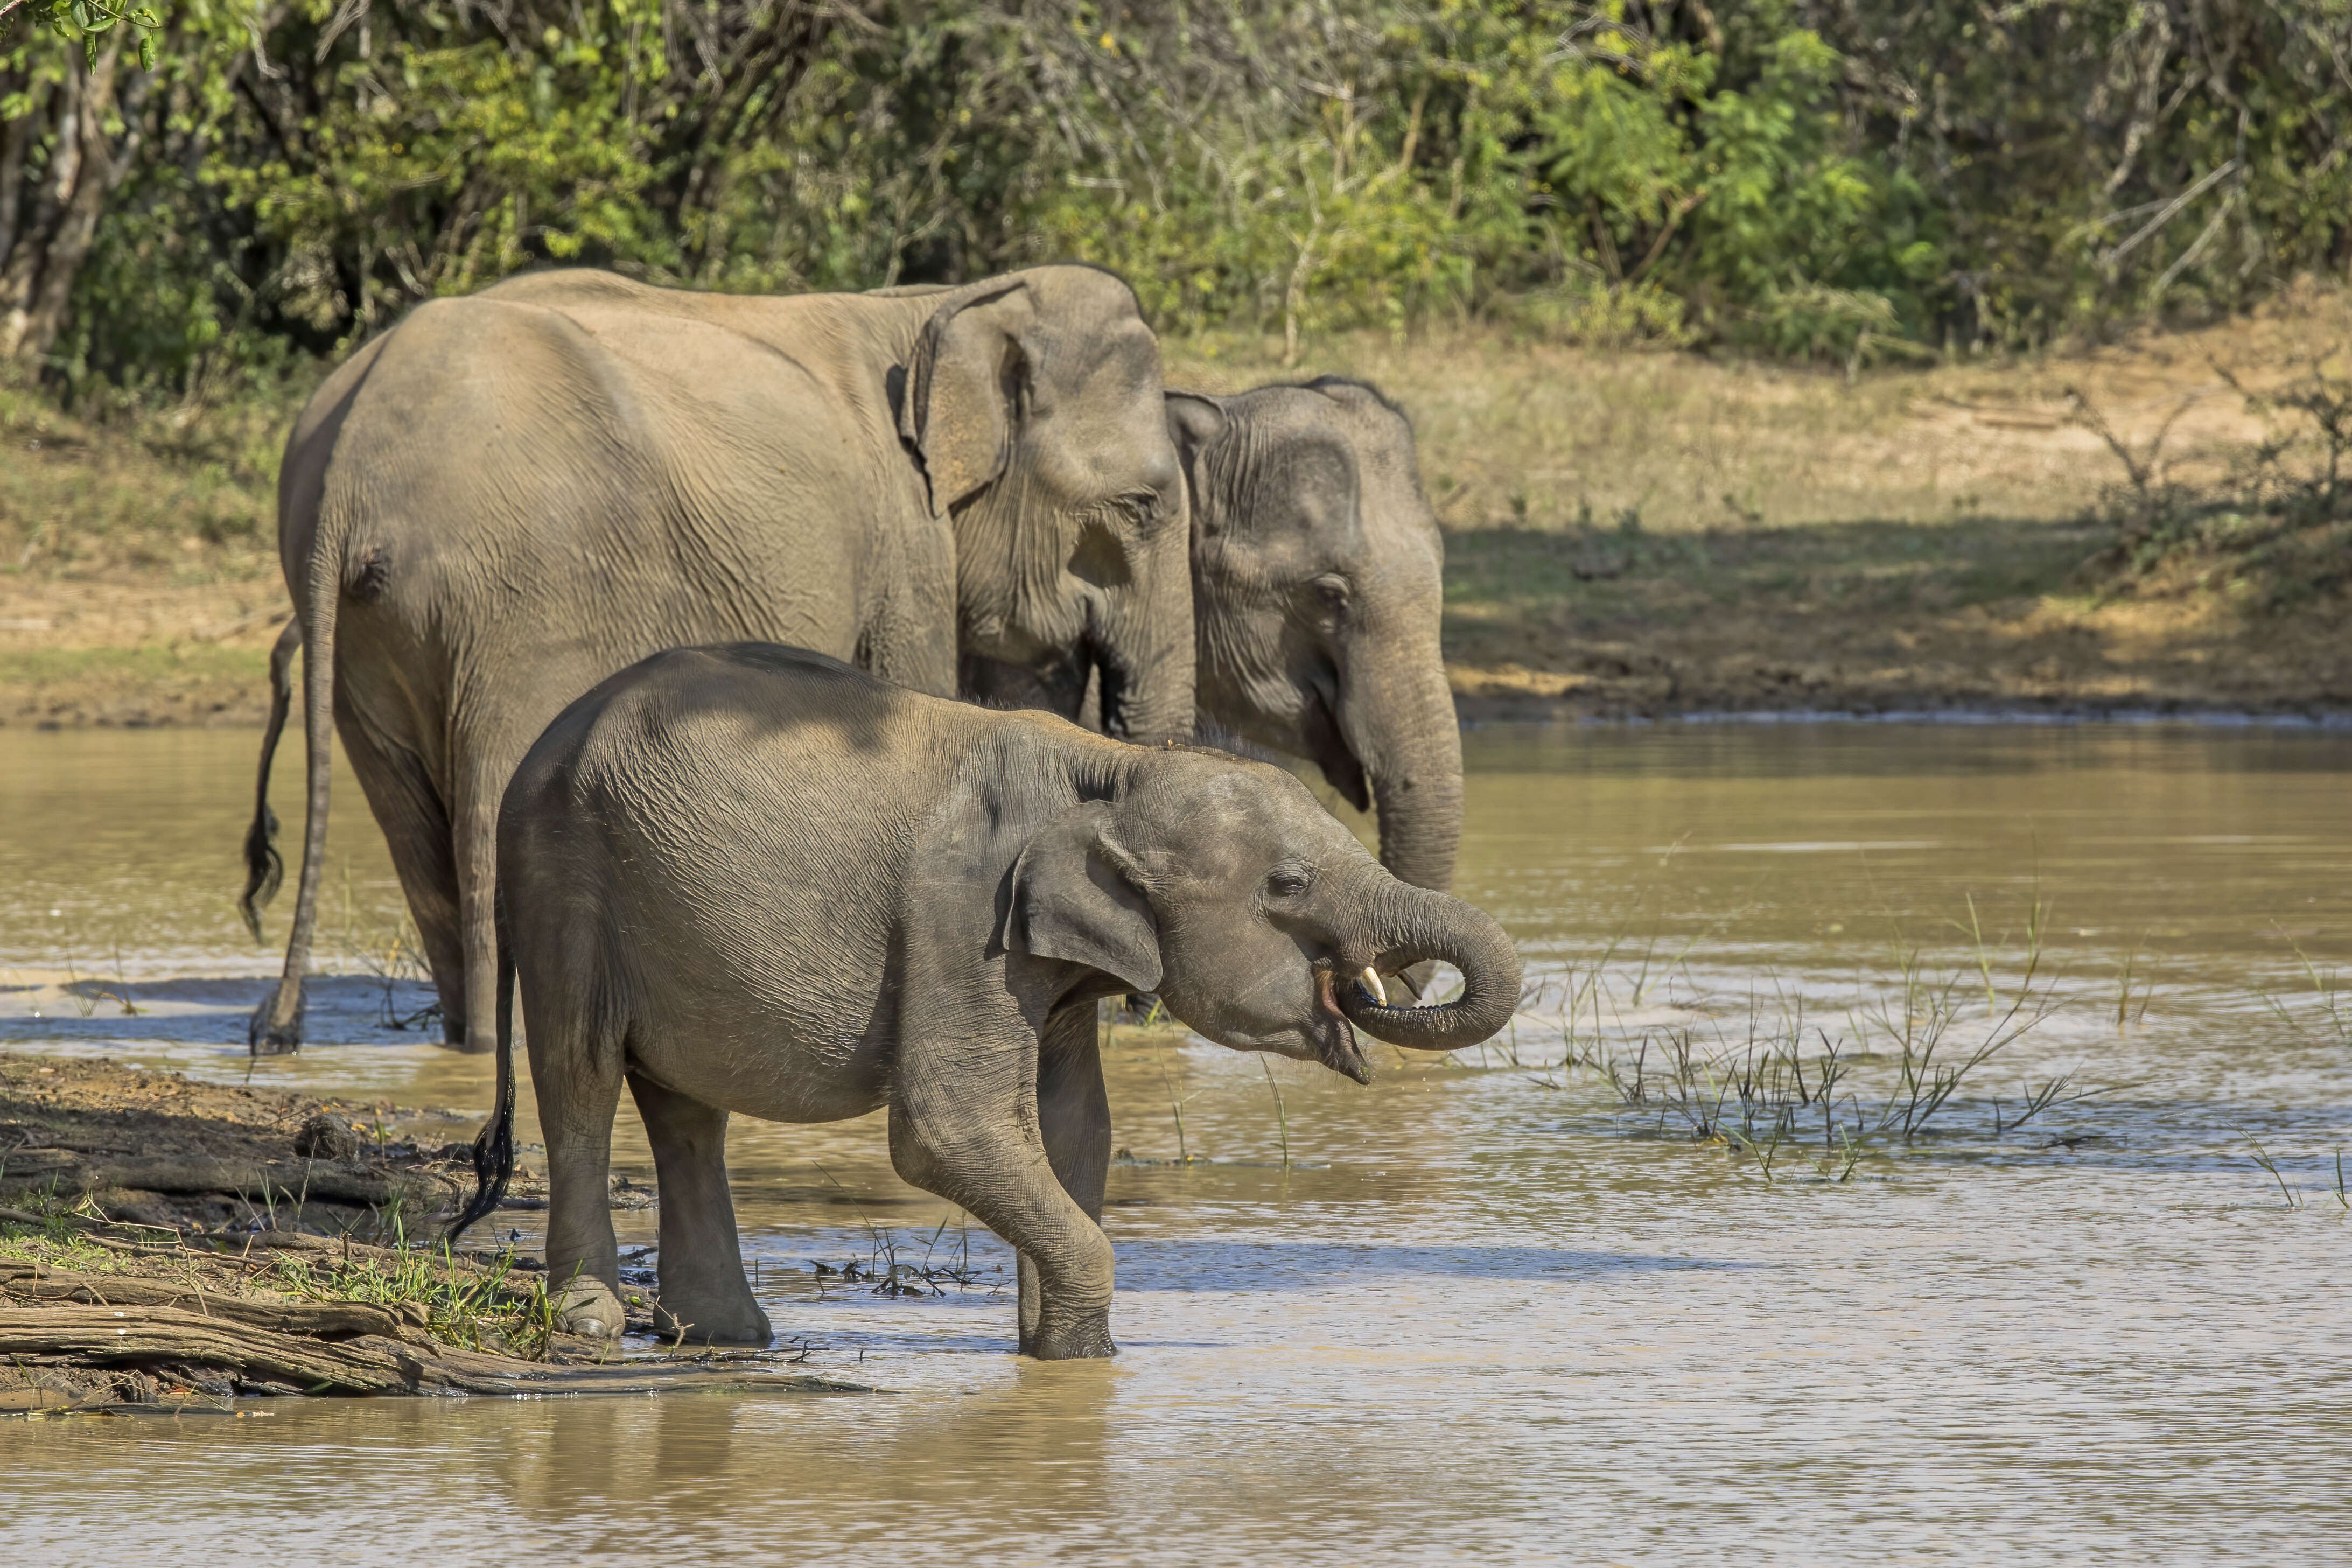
(704, 1296)
(474, 828)
(576, 1075)
(416, 824)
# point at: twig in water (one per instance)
(2123, 991)
(2262, 1157)
(1281, 1123)
(83, 1005)
(122, 987)
(1176, 1108)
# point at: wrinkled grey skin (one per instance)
(509, 497)
(749, 879)
(1318, 573)
(1318, 583)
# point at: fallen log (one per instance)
(114, 1336)
(246, 1244)
(326, 1181)
(366, 1365)
(314, 1318)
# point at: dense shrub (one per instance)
(1829, 178)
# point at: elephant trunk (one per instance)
(1412, 925)
(1415, 773)
(1146, 662)
(1397, 718)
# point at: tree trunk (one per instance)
(22, 276)
(15, 142)
(100, 170)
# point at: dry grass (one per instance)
(1629, 532)
(1522, 433)
(1648, 534)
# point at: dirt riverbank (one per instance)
(173, 1246)
(1632, 533)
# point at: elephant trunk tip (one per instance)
(1427, 926)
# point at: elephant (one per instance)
(1317, 595)
(509, 497)
(1318, 589)
(752, 879)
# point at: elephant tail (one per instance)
(494, 1147)
(265, 869)
(276, 1027)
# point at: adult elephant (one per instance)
(1316, 593)
(509, 497)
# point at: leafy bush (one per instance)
(1834, 179)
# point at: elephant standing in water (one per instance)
(1316, 594)
(751, 879)
(509, 497)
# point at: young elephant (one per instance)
(749, 878)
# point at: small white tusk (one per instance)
(1372, 984)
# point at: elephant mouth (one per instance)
(1336, 1042)
(1326, 743)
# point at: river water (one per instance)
(1567, 1300)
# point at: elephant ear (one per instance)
(962, 385)
(1073, 900)
(1194, 424)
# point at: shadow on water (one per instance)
(340, 1010)
(1205, 1263)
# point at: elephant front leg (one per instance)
(1074, 1123)
(704, 1296)
(987, 1157)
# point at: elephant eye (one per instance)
(1287, 883)
(1331, 593)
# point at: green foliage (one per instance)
(88, 23)
(1833, 179)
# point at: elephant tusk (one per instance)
(1372, 980)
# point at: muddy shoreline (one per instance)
(168, 1245)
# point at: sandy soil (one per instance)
(67, 1124)
(136, 652)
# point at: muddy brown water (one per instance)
(1501, 1304)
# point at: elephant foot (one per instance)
(713, 1322)
(453, 1029)
(1070, 1336)
(589, 1308)
(265, 1036)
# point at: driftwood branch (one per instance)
(58, 1288)
(115, 1336)
(79, 1335)
(325, 1180)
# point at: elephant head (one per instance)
(1316, 568)
(1258, 919)
(1034, 404)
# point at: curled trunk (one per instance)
(1414, 925)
